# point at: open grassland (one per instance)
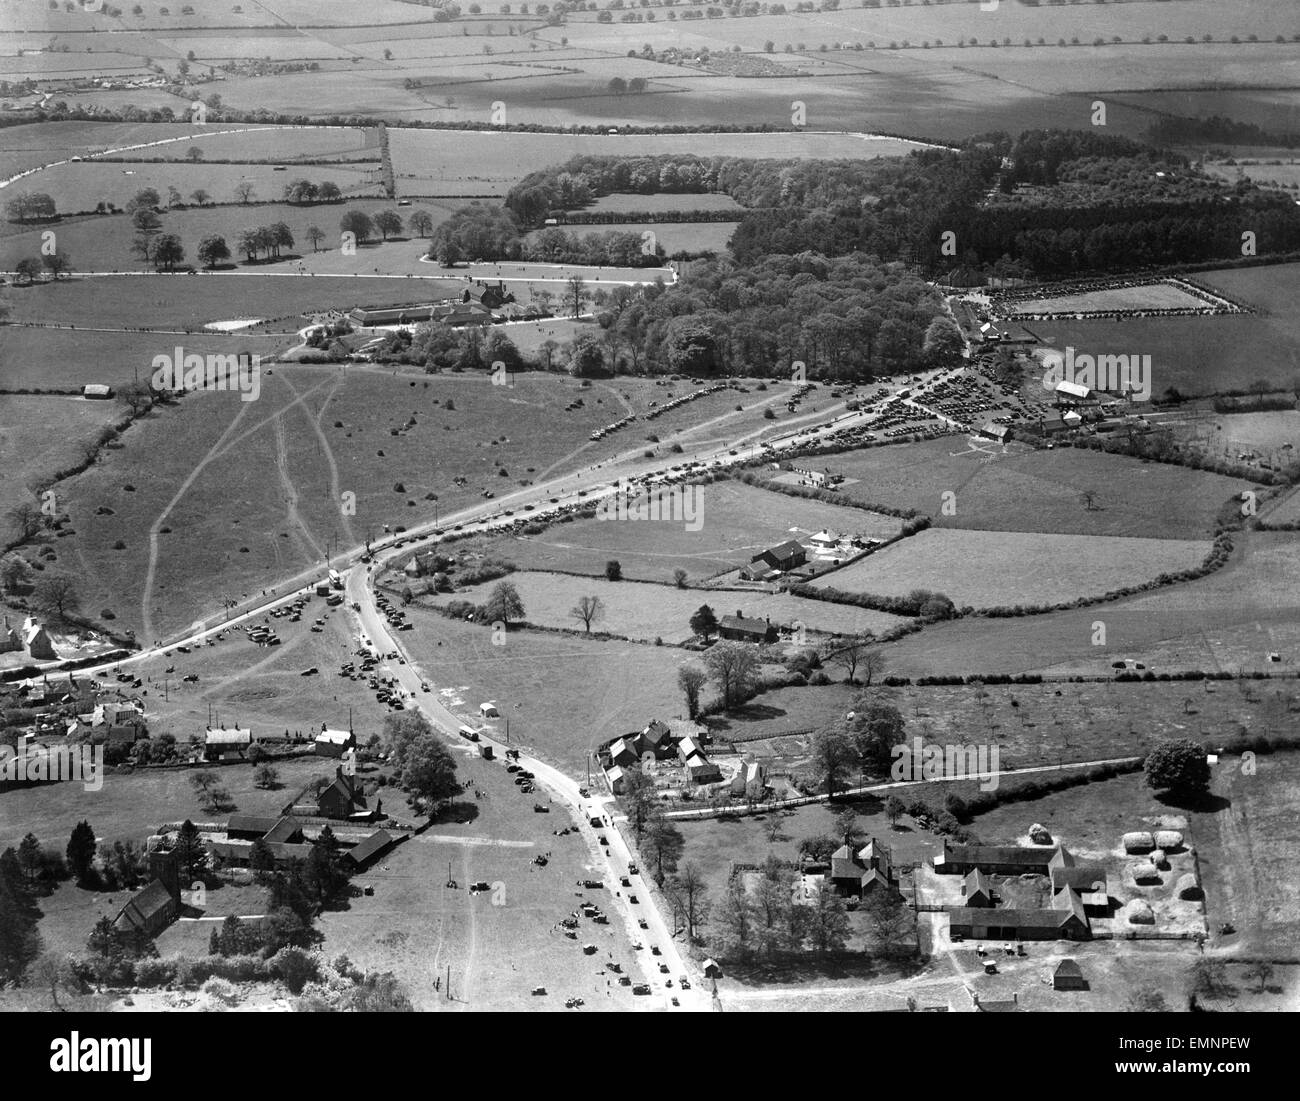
(672, 237)
(562, 694)
(39, 435)
(646, 611)
(1231, 620)
(991, 568)
(81, 186)
(103, 243)
(252, 491)
(1037, 491)
(175, 302)
(1202, 355)
(1152, 296)
(499, 944)
(735, 523)
(663, 202)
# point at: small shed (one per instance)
(1067, 975)
(489, 711)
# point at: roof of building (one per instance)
(1084, 877)
(1006, 854)
(977, 881)
(1072, 389)
(373, 845)
(234, 736)
(144, 905)
(1068, 969)
(791, 548)
(749, 626)
(284, 829)
(335, 737)
(251, 823)
(1012, 918)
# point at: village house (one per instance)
(148, 911)
(750, 781)
(37, 641)
(780, 559)
(221, 744)
(861, 873)
(739, 629)
(10, 640)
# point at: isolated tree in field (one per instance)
(266, 776)
(81, 850)
(1089, 499)
(588, 610)
(1179, 768)
(851, 654)
(204, 782)
(56, 595)
(315, 235)
(613, 570)
(146, 198)
(57, 264)
(618, 85)
(690, 679)
(834, 758)
(679, 578)
(1261, 970)
(389, 223)
(703, 622)
(1208, 978)
(194, 154)
(575, 293)
(688, 890)
(213, 250)
(168, 252)
(421, 222)
(244, 191)
(429, 772)
(893, 810)
(28, 270)
(503, 603)
(733, 667)
(358, 223)
(200, 196)
(25, 518)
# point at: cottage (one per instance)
(750, 781)
(739, 629)
(223, 743)
(860, 873)
(783, 557)
(10, 640)
(37, 641)
(622, 754)
(149, 911)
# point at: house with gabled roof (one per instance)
(148, 911)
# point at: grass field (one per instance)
(39, 435)
(736, 522)
(1037, 491)
(673, 237)
(990, 568)
(1152, 296)
(663, 202)
(645, 612)
(562, 694)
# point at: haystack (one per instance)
(1159, 859)
(1039, 835)
(1139, 912)
(1188, 889)
(1169, 840)
(1145, 872)
(1139, 842)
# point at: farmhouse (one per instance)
(750, 781)
(739, 629)
(37, 640)
(858, 874)
(223, 743)
(341, 799)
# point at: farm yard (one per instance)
(645, 611)
(986, 569)
(736, 523)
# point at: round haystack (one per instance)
(1039, 834)
(1139, 842)
(1140, 913)
(1169, 840)
(1145, 872)
(1188, 889)
(1159, 859)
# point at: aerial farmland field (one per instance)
(991, 568)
